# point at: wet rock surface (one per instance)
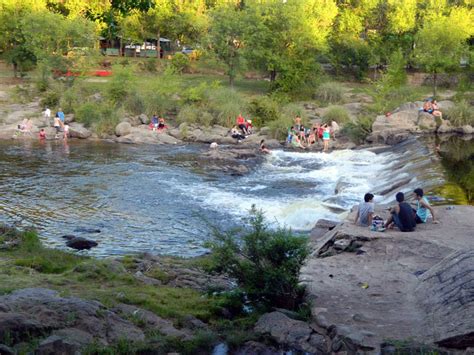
(79, 243)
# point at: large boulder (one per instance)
(80, 243)
(427, 122)
(64, 341)
(143, 135)
(394, 128)
(445, 127)
(38, 311)
(467, 129)
(445, 294)
(144, 119)
(290, 332)
(77, 130)
(123, 128)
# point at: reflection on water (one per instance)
(151, 198)
(457, 157)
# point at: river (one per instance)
(152, 198)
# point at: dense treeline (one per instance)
(288, 39)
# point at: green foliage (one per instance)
(102, 118)
(180, 62)
(225, 37)
(264, 109)
(266, 263)
(31, 254)
(336, 113)
(50, 99)
(359, 129)
(149, 65)
(352, 55)
(461, 114)
(442, 41)
(329, 93)
(121, 85)
(210, 104)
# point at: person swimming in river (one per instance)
(263, 147)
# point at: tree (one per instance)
(442, 42)
(265, 263)
(225, 37)
(284, 37)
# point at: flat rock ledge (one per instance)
(369, 289)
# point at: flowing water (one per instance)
(151, 198)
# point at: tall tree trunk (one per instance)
(158, 45)
(121, 46)
(273, 75)
(15, 69)
(435, 79)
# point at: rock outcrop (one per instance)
(446, 295)
(373, 287)
(293, 333)
(37, 311)
(77, 130)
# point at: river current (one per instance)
(152, 198)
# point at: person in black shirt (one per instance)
(402, 215)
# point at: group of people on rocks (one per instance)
(157, 124)
(59, 124)
(402, 215)
(242, 129)
(302, 137)
(431, 106)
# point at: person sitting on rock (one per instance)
(263, 147)
(402, 215)
(296, 142)
(241, 124)
(161, 124)
(290, 134)
(423, 208)
(248, 126)
(428, 107)
(436, 112)
(365, 211)
(154, 122)
(234, 133)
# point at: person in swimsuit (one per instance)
(263, 147)
(297, 123)
(161, 123)
(42, 134)
(326, 137)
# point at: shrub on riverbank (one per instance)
(359, 129)
(265, 263)
(460, 114)
(336, 113)
(329, 93)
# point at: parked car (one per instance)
(187, 50)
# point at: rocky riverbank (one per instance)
(373, 290)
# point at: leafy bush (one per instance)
(121, 84)
(101, 118)
(358, 130)
(279, 127)
(265, 263)
(50, 99)
(336, 113)
(150, 65)
(264, 109)
(225, 104)
(180, 62)
(88, 113)
(211, 104)
(329, 93)
(461, 114)
(135, 103)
